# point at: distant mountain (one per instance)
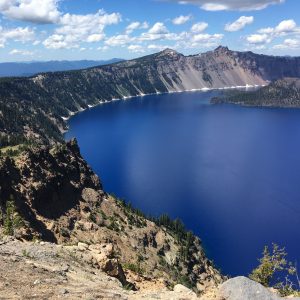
(30, 68)
(280, 93)
(34, 108)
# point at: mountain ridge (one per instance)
(36, 108)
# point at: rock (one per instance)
(88, 226)
(82, 246)
(242, 288)
(112, 268)
(90, 195)
(65, 268)
(179, 288)
(37, 281)
(63, 291)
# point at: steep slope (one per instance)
(53, 195)
(281, 93)
(33, 107)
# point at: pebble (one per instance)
(63, 291)
(37, 282)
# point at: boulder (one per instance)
(82, 246)
(112, 268)
(181, 289)
(243, 288)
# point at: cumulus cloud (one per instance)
(207, 38)
(119, 40)
(258, 39)
(35, 11)
(21, 52)
(136, 49)
(288, 44)
(96, 37)
(181, 20)
(136, 25)
(156, 32)
(239, 24)
(218, 5)
(75, 29)
(285, 26)
(158, 28)
(199, 27)
(18, 34)
(266, 35)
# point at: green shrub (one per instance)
(134, 267)
(11, 219)
(274, 263)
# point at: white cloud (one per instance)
(239, 24)
(136, 25)
(214, 6)
(267, 30)
(58, 41)
(286, 26)
(119, 40)
(35, 11)
(157, 32)
(75, 29)
(207, 38)
(258, 39)
(266, 35)
(158, 28)
(18, 34)
(103, 48)
(21, 52)
(218, 5)
(199, 27)
(96, 37)
(4, 4)
(136, 49)
(181, 20)
(157, 47)
(288, 44)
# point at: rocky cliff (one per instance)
(51, 194)
(33, 108)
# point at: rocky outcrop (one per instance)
(39, 103)
(51, 194)
(50, 271)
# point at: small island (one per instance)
(280, 93)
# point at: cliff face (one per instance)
(52, 194)
(32, 108)
(280, 93)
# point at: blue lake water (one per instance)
(231, 173)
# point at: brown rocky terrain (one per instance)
(43, 270)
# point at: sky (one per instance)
(41, 30)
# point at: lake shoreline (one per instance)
(205, 89)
